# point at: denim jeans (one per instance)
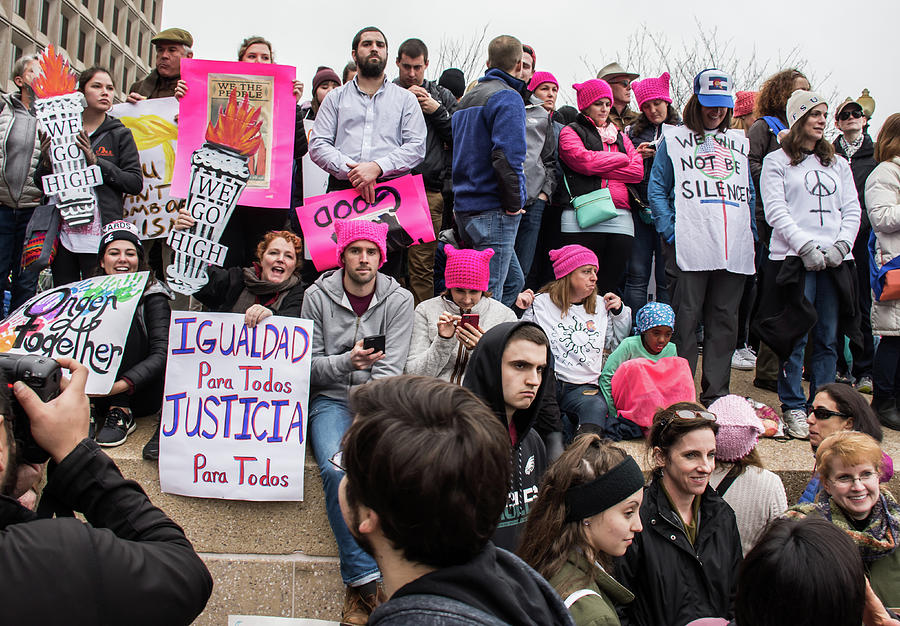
(591, 408)
(527, 238)
(328, 420)
(819, 289)
(23, 285)
(496, 230)
(637, 276)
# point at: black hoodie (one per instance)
(528, 455)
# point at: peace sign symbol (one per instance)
(820, 184)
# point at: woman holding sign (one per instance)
(811, 203)
(702, 199)
(107, 143)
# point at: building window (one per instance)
(82, 42)
(63, 31)
(112, 62)
(115, 19)
(153, 14)
(128, 33)
(98, 53)
(21, 8)
(17, 53)
(140, 46)
(101, 9)
(124, 78)
(45, 16)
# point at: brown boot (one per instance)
(358, 606)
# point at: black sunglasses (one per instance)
(846, 115)
(822, 413)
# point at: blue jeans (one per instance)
(496, 230)
(328, 420)
(637, 276)
(527, 238)
(819, 289)
(23, 285)
(591, 409)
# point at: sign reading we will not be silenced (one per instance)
(234, 411)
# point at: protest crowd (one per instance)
(467, 388)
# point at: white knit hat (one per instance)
(800, 103)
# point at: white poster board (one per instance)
(260, 620)
(152, 123)
(87, 321)
(315, 179)
(233, 422)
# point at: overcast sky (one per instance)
(853, 43)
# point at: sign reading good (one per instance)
(87, 321)
(152, 123)
(234, 411)
(401, 203)
(712, 200)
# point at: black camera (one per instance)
(43, 375)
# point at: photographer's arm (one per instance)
(147, 570)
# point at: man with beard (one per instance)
(53, 568)
(363, 321)
(369, 129)
(427, 512)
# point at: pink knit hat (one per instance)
(348, 231)
(592, 90)
(739, 427)
(569, 258)
(541, 77)
(652, 89)
(744, 102)
(467, 269)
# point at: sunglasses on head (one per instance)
(822, 413)
(846, 115)
(687, 414)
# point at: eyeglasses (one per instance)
(846, 115)
(687, 414)
(822, 413)
(846, 480)
(337, 461)
(624, 82)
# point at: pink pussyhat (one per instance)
(467, 269)
(744, 102)
(590, 91)
(540, 78)
(348, 231)
(569, 258)
(652, 89)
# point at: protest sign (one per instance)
(87, 320)
(400, 203)
(315, 179)
(152, 123)
(58, 108)
(269, 88)
(234, 411)
(712, 200)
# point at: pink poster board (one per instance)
(269, 87)
(400, 203)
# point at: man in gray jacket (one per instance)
(363, 322)
(20, 152)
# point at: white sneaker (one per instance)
(743, 359)
(795, 423)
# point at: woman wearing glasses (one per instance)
(683, 566)
(850, 464)
(835, 408)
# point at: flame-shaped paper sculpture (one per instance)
(219, 174)
(56, 79)
(58, 108)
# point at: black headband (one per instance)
(588, 499)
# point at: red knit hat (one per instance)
(592, 90)
(652, 89)
(569, 258)
(361, 229)
(744, 103)
(467, 269)
(540, 78)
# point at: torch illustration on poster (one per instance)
(219, 173)
(58, 108)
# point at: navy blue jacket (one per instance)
(489, 146)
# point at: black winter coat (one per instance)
(861, 164)
(144, 359)
(674, 582)
(130, 564)
(435, 169)
(224, 288)
(120, 167)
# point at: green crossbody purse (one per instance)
(592, 208)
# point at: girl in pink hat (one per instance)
(595, 155)
(442, 338)
(580, 327)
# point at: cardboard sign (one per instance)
(269, 87)
(712, 200)
(401, 203)
(87, 320)
(152, 123)
(315, 179)
(234, 411)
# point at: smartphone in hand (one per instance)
(470, 318)
(376, 342)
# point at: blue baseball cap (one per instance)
(714, 88)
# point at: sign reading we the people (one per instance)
(235, 405)
(401, 203)
(712, 200)
(87, 320)
(152, 123)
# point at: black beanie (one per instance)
(119, 230)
